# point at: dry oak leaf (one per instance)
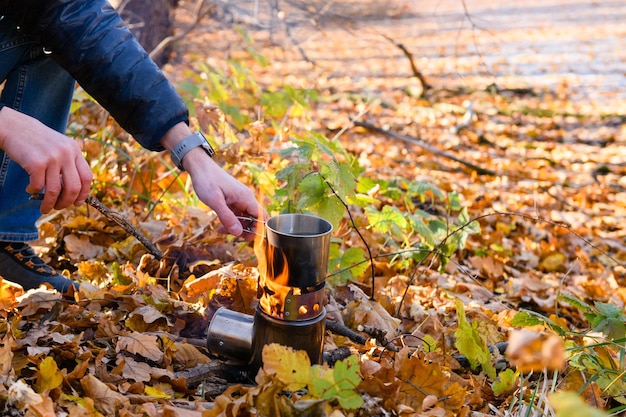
(79, 248)
(171, 411)
(145, 345)
(366, 312)
(532, 351)
(147, 319)
(105, 399)
(43, 409)
(237, 400)
(137, 371)
(188, 356)
(6, 356)
(37, 299)
(420, 379)
(489, 266)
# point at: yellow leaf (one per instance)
(49, 376)
(290, 366)
(155, 392)
(553, 262)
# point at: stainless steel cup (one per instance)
(300, 241)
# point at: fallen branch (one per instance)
(424, 145)
(342, 330)
(206, 374)
(120, 220)
(409, 55)
(124, 224)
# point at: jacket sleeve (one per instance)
(90, 40)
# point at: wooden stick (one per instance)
(409, 55)
(342, 330)
(424, 145)
(120, 220)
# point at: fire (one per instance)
(273, 289)
(277, 294)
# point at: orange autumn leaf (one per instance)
(420, 378)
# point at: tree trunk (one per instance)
(151, 21)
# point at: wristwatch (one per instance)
(187, 144)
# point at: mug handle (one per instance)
(247, 228)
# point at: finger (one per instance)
(230, 222)
(86, 176)
(53, 188)
(70, 187)
(37, 183)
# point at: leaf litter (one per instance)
(551, 247)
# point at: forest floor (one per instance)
(529, 100)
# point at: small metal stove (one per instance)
(293, 259)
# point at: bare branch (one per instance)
(200, 12)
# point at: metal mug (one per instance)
(296, 248)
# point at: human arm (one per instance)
(214, 186)
(89, 39)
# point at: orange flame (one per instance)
(273, 289)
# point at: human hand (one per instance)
(230, 199)
(53, 161)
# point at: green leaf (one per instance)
(525, 319)
(339, 383)
(332, 210)
(438, 229)
(506, 382)
(575, 302)
(389, 220)
(418, 225)
(454, 201)
(354, 256)
(312, 190)
(528, 319)
(429, 344)
(425, 189)
(610, 310)
(470, 344)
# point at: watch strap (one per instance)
(187, 144)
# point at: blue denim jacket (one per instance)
(89, 40)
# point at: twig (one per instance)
(358, 232)
(228, 373)
(122, 222)
(426, 146)
(119, 219)
(342, 330)
(198, 16)
(409, 55)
